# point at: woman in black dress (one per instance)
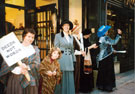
(86, 80)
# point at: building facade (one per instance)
(46, 17)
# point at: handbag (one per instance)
(87, 63)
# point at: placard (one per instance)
(11, 49)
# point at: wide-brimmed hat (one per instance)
(86, 32)
(102, 30)
(67, 22)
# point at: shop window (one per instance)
(14, 21)
(15, 2)
(45, 2)
(15, 16)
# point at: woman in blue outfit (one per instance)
(106, 75)
(65, 42)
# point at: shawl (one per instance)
(32, 61)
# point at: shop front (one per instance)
(121, 16)
(46, 15)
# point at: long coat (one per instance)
(66, 64)
(68, 57)
(49, 82)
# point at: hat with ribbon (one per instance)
(102, 30)
(67, 22)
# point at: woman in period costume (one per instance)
(64, 41)
(50, 71)
(16, 82)
(86, 79)
(79, 53)
(106, 75)
(93, 39)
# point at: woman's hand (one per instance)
(93, 46)
(49, 73)
(83, 53)
(119, 31)
(58, 80)
(54, 73)
(24, 71)
(24, 68)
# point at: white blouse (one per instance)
(66, 36)
(80, 43)
(30, 50)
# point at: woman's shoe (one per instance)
(101, 88)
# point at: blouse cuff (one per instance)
(77, 52)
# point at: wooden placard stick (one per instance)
(27, 74)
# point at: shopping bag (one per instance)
(87, 63)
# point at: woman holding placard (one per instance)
(16, 82)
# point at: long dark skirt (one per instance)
(14, 87)
(1, 88)
(86, 80)
(106, 75)
(67, 84)
(79, 60)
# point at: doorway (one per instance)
(45, 28)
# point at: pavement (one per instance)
(125, 84)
